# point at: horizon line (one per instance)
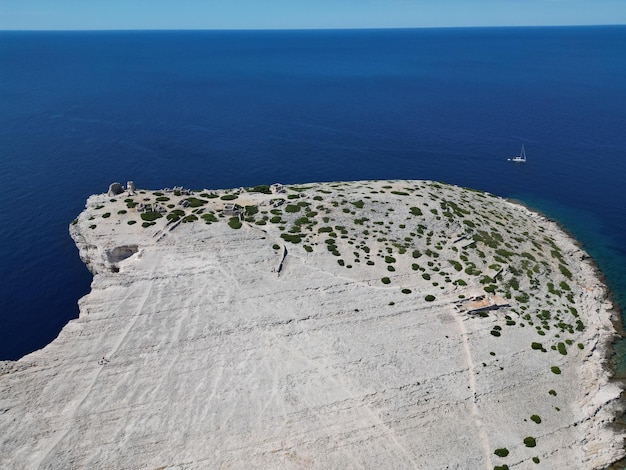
(313, 28)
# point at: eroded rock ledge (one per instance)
(377, 324)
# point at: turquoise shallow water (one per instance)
(80, 110)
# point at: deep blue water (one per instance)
(79, 110)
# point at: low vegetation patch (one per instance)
(292, 237)
(234, 222)
(151, 216)
(196, 202)
(530, 441)
(502, 452)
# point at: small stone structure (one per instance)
(277, 188)
(232, 209)
(115, 189)
(130, 188)
(482, 303)
(276, 202)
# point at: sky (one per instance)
(302, 14)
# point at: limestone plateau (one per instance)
(370, 324)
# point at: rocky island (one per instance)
(371, 324)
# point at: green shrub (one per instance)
(131, 222)
(234, 222)
(175, 215)
(406, 291)
(429, 298)
(502, 452)
(251, 210)
(150, 216)
(229, 197)
(426, 276)
(190, 218)
(530, 441)
(162, 198)
(195, 202)
(562, 349)
(293, 238)
(565, 271)
(555, 370)
(385, 280)
(458, 266)
(106, 215)
(536, 459)
(536, 346)
(536, 419)
(522, 298)
(276, 246)
(209, 217)
(292, 208)
(262, 188)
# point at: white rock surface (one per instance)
(192, 351)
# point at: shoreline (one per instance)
(329, 328)
(617, 317)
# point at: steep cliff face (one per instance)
(97, 249)
(401, 324)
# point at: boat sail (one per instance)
(521, 158)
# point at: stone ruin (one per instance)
(115, 189)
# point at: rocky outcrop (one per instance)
(193, 350)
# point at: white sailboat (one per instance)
(521, 158)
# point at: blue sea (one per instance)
(218, 109)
